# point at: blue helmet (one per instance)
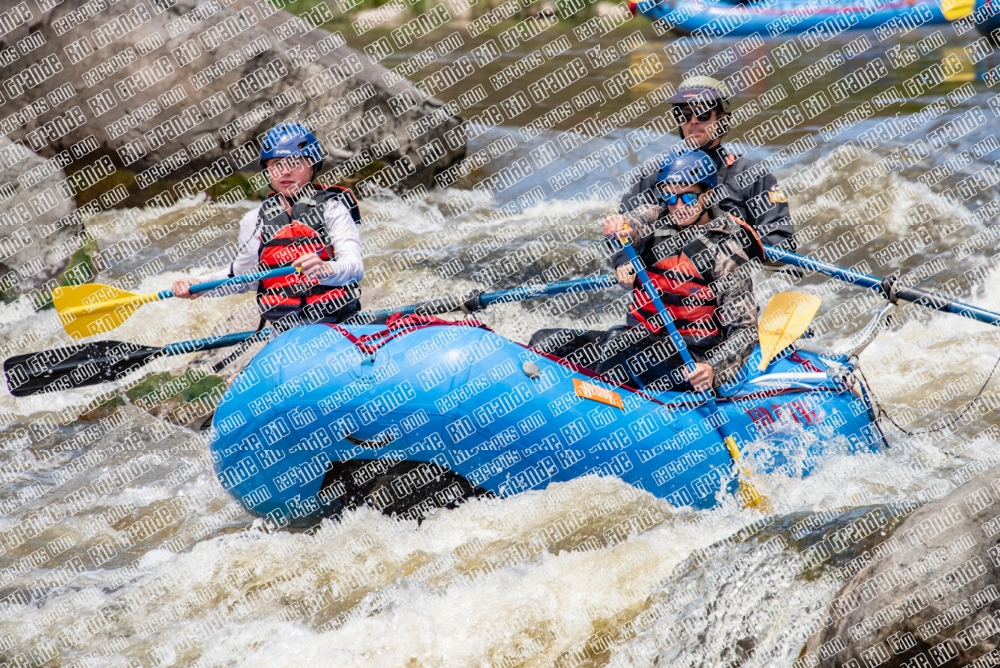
(291, 140)
(689, 168)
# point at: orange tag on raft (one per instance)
(595, 393)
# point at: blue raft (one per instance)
(329, 417)
(706, 20)
(986, 17)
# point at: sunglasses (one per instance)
(687, 199)
(685, 114)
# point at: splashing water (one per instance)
(119, 546)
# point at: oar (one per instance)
(94, 363)
(885, 287)
(104, 361)
(751, 497)
(477, 301)
(92, 308)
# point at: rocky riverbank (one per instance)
(184, 89)
(39, 225)
(927, 594)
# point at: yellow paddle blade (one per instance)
(785, 319)
(89, 309)
(751, 497)
(957, 9)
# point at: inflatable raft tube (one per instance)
(706, 20)
(329, 417)
(987, 18)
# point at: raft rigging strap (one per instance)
(397, 325)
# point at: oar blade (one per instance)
(954, 10)
(107, 314)
(73, 366)
(786, 318)
(747, 490)
(87, 294)
(98, 322)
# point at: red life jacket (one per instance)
(283, 239)
(684, 282)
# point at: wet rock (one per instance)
(39, 231)
(929, 596)
(187, 400)
(186, 87)
(754, 598)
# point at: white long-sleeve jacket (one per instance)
(346, 267)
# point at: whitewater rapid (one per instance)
(166, 569)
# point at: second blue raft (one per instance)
(706, 20)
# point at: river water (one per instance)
(120, 548)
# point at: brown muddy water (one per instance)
(162, 567)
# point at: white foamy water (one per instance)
(163, 568)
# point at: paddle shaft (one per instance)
(449, 304)
(914, 295)
(136, 300)
(234, 280)
(668, 324)
(66, 368)
(517, 294)
(211, 343)
(477, 302)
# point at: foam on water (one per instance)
(467, 586)
(589, 570)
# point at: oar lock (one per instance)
(473, 302)
(888, 287)
(857, 343)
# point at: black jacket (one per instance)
(755, 198)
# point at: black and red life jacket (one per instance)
(283, 239)
(684, 281)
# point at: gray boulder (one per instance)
(182, 89)
(39, 225)
(929, 594)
